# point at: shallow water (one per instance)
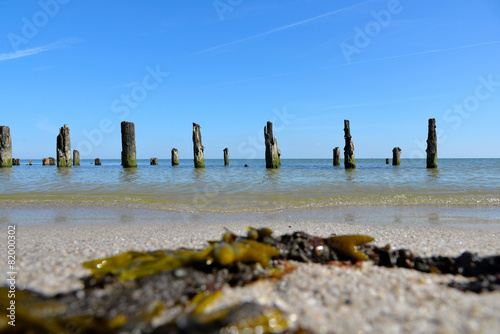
(298, 184)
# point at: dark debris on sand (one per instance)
(173, 299)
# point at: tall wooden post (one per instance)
(432, 145)
(226, 157)
(349, 161)
(5, 147)
(396, 156)
(336, 156)
(76, 158)
(198, 149)
(175, 157)
(128, 145)
(64, 147)
(273, 155)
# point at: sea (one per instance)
(463, 187)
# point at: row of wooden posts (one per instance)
(128, 154)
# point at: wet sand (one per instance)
(53, 242)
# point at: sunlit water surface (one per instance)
(298, 184)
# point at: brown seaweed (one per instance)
(346, 245)
(170, 290)
(229, 250)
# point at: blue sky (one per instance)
(232, 65)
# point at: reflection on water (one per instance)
(63, 219)
(4, 219)
(128, 174)
(272, 175)
(65, 174)
(6, 173)
(350, 174)
(433, 174)
(198, 173)
(297, 184)
(127, 218)
(434, 219)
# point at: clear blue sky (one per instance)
(232, 65)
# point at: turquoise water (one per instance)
(298, 184)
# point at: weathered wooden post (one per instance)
(63, 147)
(349, 161)
(387, 161)
(336, 156)
(199, 150)
(5, 147)
(153, 161)
(18, 162)
(30, 163)
(128, 145)
(76, 158)
(175, 157)
(273, 155)
(97, 162)
(432, 149)
(396, 156)
(226, 157)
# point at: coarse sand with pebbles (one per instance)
(317, 298)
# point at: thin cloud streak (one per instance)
(281, 28)
(419, 53)
(357, 62)
(376, 103)
(39, 49)
(128, 85)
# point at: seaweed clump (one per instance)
(162, 291)
(230, 250)
(170, 290)
(483, 272)
(304, 247)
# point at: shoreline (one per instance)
(95, 213)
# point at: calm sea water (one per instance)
(300, 183)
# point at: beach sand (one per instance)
(318, 298)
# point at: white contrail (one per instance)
(33, 51)
(357, 62)
(419, 53)
(281, 28)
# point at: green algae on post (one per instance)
(349, 160)
(198, 149)
(273, 155)
(76, 158)
(175, 157)
(5, 147)
(128, 145)
(64, 147)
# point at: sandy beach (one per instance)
(318, 298)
